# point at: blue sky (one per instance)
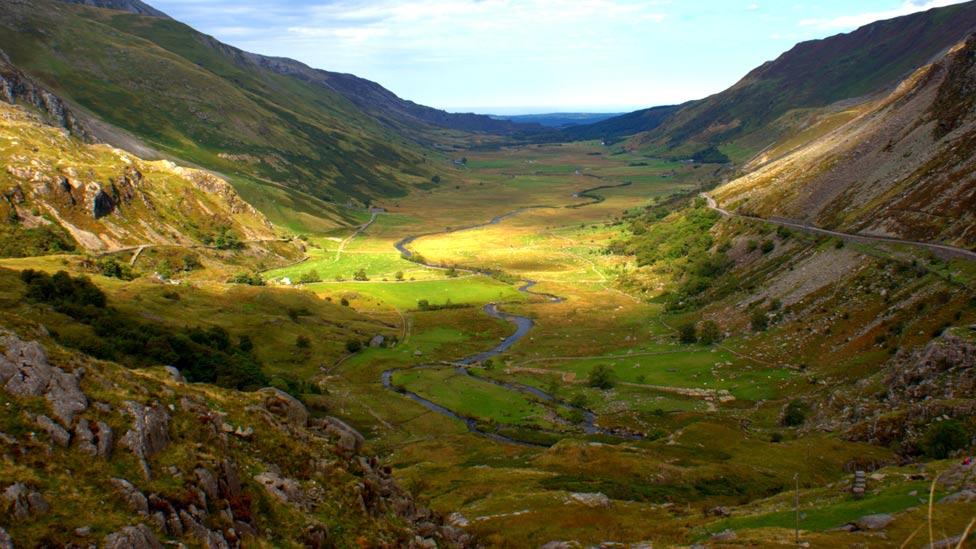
(518, 56)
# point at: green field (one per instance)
(405, 295)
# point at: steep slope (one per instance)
(105, 198)
(812, 74)
(904, 166)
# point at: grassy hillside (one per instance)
(196, 99)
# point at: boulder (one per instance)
(149, 433)
(133, 498)
(377, 341)
(964, 496)
(349, 439)
(874, 522)
(594, 499)
(724, 535)
(174, 374)
(58, 434)
(132, 537)
(284, 406)
(24, 502)
(285, 490)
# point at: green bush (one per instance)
(354, 346)
(309, 277)
(942, 438)
(687, 333)
(795, 413)
(360, 275)
(251, 279)
(759, 321)
(113, 269)
(601, 377)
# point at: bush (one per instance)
(943, 438)
(452, 272)
(309, 277)
(686, 333)
(424, 305)
(767, 246)
(344, 302)
(360, 275)
(759, 321)
(601, 377)
(251, 279)
(795, 413)
(354, 346)
(226, 240)
(113, 269)
(398, 275)
(709, 333)
(303, 342)
(578, 400)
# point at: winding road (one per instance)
(522, 324)
(950, 251)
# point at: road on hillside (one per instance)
(951, 251)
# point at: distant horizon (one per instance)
(587, 56)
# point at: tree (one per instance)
(398, 276)
(435, 180)
(686, 333)
(709, 333)
(601, 377)
(943, 438)
(360, 275)
(344, 302)
(423, 304)
(452, 272)
(767, 246)
(245, 344)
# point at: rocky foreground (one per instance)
(95, 454)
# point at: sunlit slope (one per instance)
(903, 166)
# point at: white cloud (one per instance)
(847, 22)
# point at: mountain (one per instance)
(748, 116)
(557, 119)
(902, 166)
(282, 132)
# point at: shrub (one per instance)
(767, 246)
(578, 400)
(303, 342)
(452, 272)
(795, 413)
(424, 305)
(354, 346)
(601, 377)
(686, 333)
(759, 321)
(776, 437)
(227, 240)
(360, 275)
(309, 277)
(709, 333)
(398, 275)
(943, 438)
(251, 279)
(344, 302)
(113, 269)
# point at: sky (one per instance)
(534, 56)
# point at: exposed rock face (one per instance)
(102, 204)
(5, 541)
(596, 500)
(133, 537)
(58, 434)
(135, 499)
(25, 371)
(873, 522)
(149, 433)
(94, 439)
(17, 86)
(285, 406)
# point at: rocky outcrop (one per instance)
(23, 502)
(149, 433)
(284, 406)
(25, 372)
(17, 86)
(58, 434)
(94, 439)
(6, 542)
(133, 537)
(134, 499)
(283, 489)
(350, 440)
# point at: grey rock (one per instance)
(964, 496)
(149, 433)
(285, 490)
(105, 437)
(946, 543)
(207, 482)
(6, 542)
(24, 502)
(284, 406)
(133, 498)
(85, 438)
(132, 537)
(208, 538)
(58, 434)
(377, 341)
(595, 499)
(25, 372)
(83, 531)
(874, 522)
(175, 374)
(719, 511)
(560, 545)
(724, 535)
(349, 439)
